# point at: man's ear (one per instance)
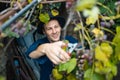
(43, 32)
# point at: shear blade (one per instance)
(71, 47)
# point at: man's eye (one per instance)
(56, 26)
(48, 28)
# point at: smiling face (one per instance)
(52, 30)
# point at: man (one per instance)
(48, 51)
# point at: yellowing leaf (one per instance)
(90, 20)
(91, 14)
(54, 12)
(40, 6)
(98, 66)
(71, 77)
(85, 4)
(99, 55)
(78, 27)
(29, 1)
(56, 74)
(98, 32)
(107, 49)
(44, 17)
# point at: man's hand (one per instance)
(53, 51)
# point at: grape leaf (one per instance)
(85, 4)
(90, 75)
(106, 48)
(117, 51)
(117, 36)
(10, 33)
(71, 77)
(54, 12)
(118, 29)
(72, 64)
(114, 70)
(100, 55)
(44, 17)
(56, 74)
(68, 66)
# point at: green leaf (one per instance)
(63, 66)
(109, 76)
(116, 40)
(98, 77)
(1, 44)
(117, 51)
(10, 34)
(90, 75)
(72, 64)
(68, 66)
(114, 70)
(118, 29)
(117, 36)
(2, 78)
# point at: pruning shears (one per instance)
(70, 47)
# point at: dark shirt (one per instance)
(46, 65)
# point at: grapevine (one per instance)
(98, 28)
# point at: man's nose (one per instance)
(54, 30)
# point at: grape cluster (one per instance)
(82, 58)
(20, 28)
(80, 65)
(107, 23)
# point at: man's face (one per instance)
(52, 30)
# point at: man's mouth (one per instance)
(55, 36)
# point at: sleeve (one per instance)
(71, 39)
(40, 60)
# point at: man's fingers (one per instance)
(60, 43)
(65, 55)
(56, 59)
